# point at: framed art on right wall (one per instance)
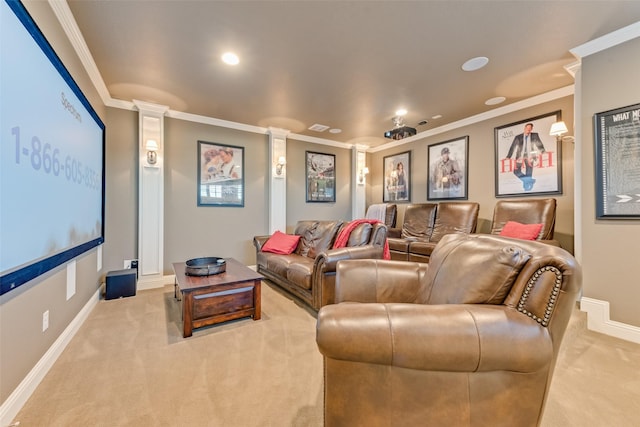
(528, 159)
(617, 137)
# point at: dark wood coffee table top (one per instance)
(236, 272)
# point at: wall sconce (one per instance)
(364, 171)
(280, 165)
(152, 147)
(558, 129)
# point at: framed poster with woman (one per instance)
(220, 174)
(397, 178)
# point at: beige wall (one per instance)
(481, 168)
(191, 231)
(22, 341)
(610, 247)
(297, 207)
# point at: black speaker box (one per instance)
(121, 283)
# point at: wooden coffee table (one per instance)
(207, 300)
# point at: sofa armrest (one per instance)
(325, 265)
(328, 260)
(380, 281)
(454, 338)
(259, 241)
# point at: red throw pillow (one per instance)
(521, 231)
(280, 243)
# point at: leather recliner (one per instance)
(527, 211)
(426, 223)
(469, 339)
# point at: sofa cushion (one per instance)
(360, 235)
(451, 283)
(316, 236)
(278, 264)
(521, 231)
(300, 272)
(281, 243)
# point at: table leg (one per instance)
(187, 314)
(257, 297)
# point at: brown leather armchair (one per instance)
(469, 339)
(527, 211)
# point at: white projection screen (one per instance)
(52, 157)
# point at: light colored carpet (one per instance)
(129, 366)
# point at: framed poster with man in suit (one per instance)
(528, 159)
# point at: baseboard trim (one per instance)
(156, 282)
(599, 320)
(25, 389)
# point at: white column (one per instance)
(576, 72)
(150, 194)
(358, 182)
(277, 180)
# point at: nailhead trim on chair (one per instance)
(552, 298)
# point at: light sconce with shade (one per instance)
(558, 129)
(363, 172)
(152, 148)
(280, 165)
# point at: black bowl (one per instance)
(205, 266)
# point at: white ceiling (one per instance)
(344, 64)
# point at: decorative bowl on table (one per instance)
(205, 266)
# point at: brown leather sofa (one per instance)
(469, 339)
(527, 211)
(309, 272)
(426, 223)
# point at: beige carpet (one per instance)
(129, 366)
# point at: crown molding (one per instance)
(607, 41)
(215, 122)
(71, 29)
(497, 112)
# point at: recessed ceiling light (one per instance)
(401, 112)
(495, 101)
(475, 63)
(335, 130)
(230, 58)
(437, 116)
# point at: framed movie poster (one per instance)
(528, 159)
(321, 177)
(617, 136)
(397, 178)
(448, 170)
(220, 174)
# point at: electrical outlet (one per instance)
(45, 320)
(127, 264)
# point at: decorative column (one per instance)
(150, 194)
(278, 180)
(359, 173)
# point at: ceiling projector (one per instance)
(399, 131)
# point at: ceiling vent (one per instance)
(318, 128)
